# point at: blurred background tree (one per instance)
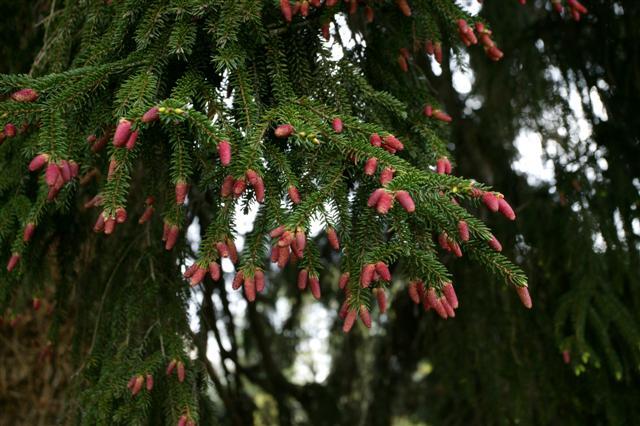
(568, 90)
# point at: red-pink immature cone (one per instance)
(99, 225)
(181, 371)
(441, 116)
(109, 225)
(275, 253)
(25, 95)
(366, 276)
(286, 238)
(349, 320)
(283, 257)
(275, 233)
(344, 309)
(250, 288)
(190, 270)
(386, 176)
(325, 31)
(566, 357)
(121, 215)
(370, 166)
(301, 239)
(284, 131)
(344, 280)
(51, 174)
(29, 229)
(171, 366)
(337, 125)
(413, 292)
(404, 7)
(113, 165)
(455, 248)
(393, 143)
(182, 421)
(332, 236)
(227, 186)
(123, 131)
(232, 249)
(491, 201)
(450, 294)
(13, 261)
(375, 140)
(214, 271)
(375, 197)
(198, 276)
(152, 114)
(222, 248)
(36, 303)
(435, 303)
(131, 141)
(146, 215)
(495, 244)
(385, 203)
(149, 382)
(303, 279)
(239, 187)
(285, 8)
(525, 297)
(294, 195)
(65, 170)
(314, 286)
(137, 385)
(258, 277)
(405, 201)
(172, 237)
(383, 270)
(365, 316)
(237, 280)
(381, 298)
(447, 307)
(38, 162)
(463, 230)
(10, 130)
(224, 151)
(181, 191)
(505, 209)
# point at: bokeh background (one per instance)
(554, 126)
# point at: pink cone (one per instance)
(332, 236)
(370, 166)
(381, 298)
(25, 95)
(463, 230)
(365, 316)
(13, 261)
(122, 133)
(366, 276)
(405, 201)
(314, 286)
(450, 294)
(224, 151)
(152, 114)
(505, 209)
(384, 203)
(284, 130)
(337, 125)
(38, 162)
(525, 297)
(491, 201)
(349, 320)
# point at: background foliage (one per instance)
(492, 364)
